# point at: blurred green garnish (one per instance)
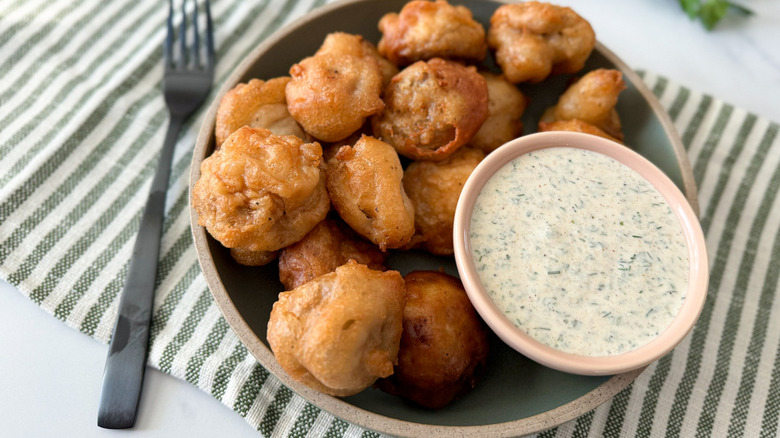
(711, 11)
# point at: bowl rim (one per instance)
(698, 273)
(340, 408)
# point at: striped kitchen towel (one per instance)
(81, 121)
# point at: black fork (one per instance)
(186, 83)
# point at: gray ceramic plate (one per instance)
(517, 396)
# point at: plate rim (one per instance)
(347, 411)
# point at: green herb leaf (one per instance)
(713, 11)
(691, 7)
(710, 12)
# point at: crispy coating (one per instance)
(506, 104)
(329, 150)
(341, 43)
(261, 191)
(534, 39)
(575, 125)
(253, 258)
(332, 93)
(591, 99)
(364, 183)
(259, 104)
(432, 108)
(425, 30)
(339, 332)
(329, 245)
(434, 188)
(444, 345)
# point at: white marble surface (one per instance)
(50, 374)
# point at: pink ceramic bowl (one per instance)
(535, 350)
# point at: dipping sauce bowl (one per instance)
(579, 253)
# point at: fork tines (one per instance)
(193, 55)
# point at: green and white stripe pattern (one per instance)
(82, 119)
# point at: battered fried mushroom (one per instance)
(434, 188)
(329, 245)
(444, 345)
(533, 40)
(339, 332)
(340, 43)
(332, 94)
(425, 30)
(259, 104)
(364, 183)
(575, 125)
(591, 99)
(506, 104)
(432, 108)
(261, 191)
(253, 258)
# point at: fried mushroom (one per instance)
(253, 258)
(444, 344)
(434, 188)
(575, 125)
(341, 331)
(592, 100)
(425, 30)
(259, 104)
(341, 43)
(329, 245)
(533, 40)
(506, 105)
(432, 108)
(364, 183)
(261, 191)
(331, 94)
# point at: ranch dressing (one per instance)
(579, 251)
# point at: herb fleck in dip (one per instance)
(579, 251)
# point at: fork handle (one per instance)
(127, 352)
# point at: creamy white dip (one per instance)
(579, 251)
